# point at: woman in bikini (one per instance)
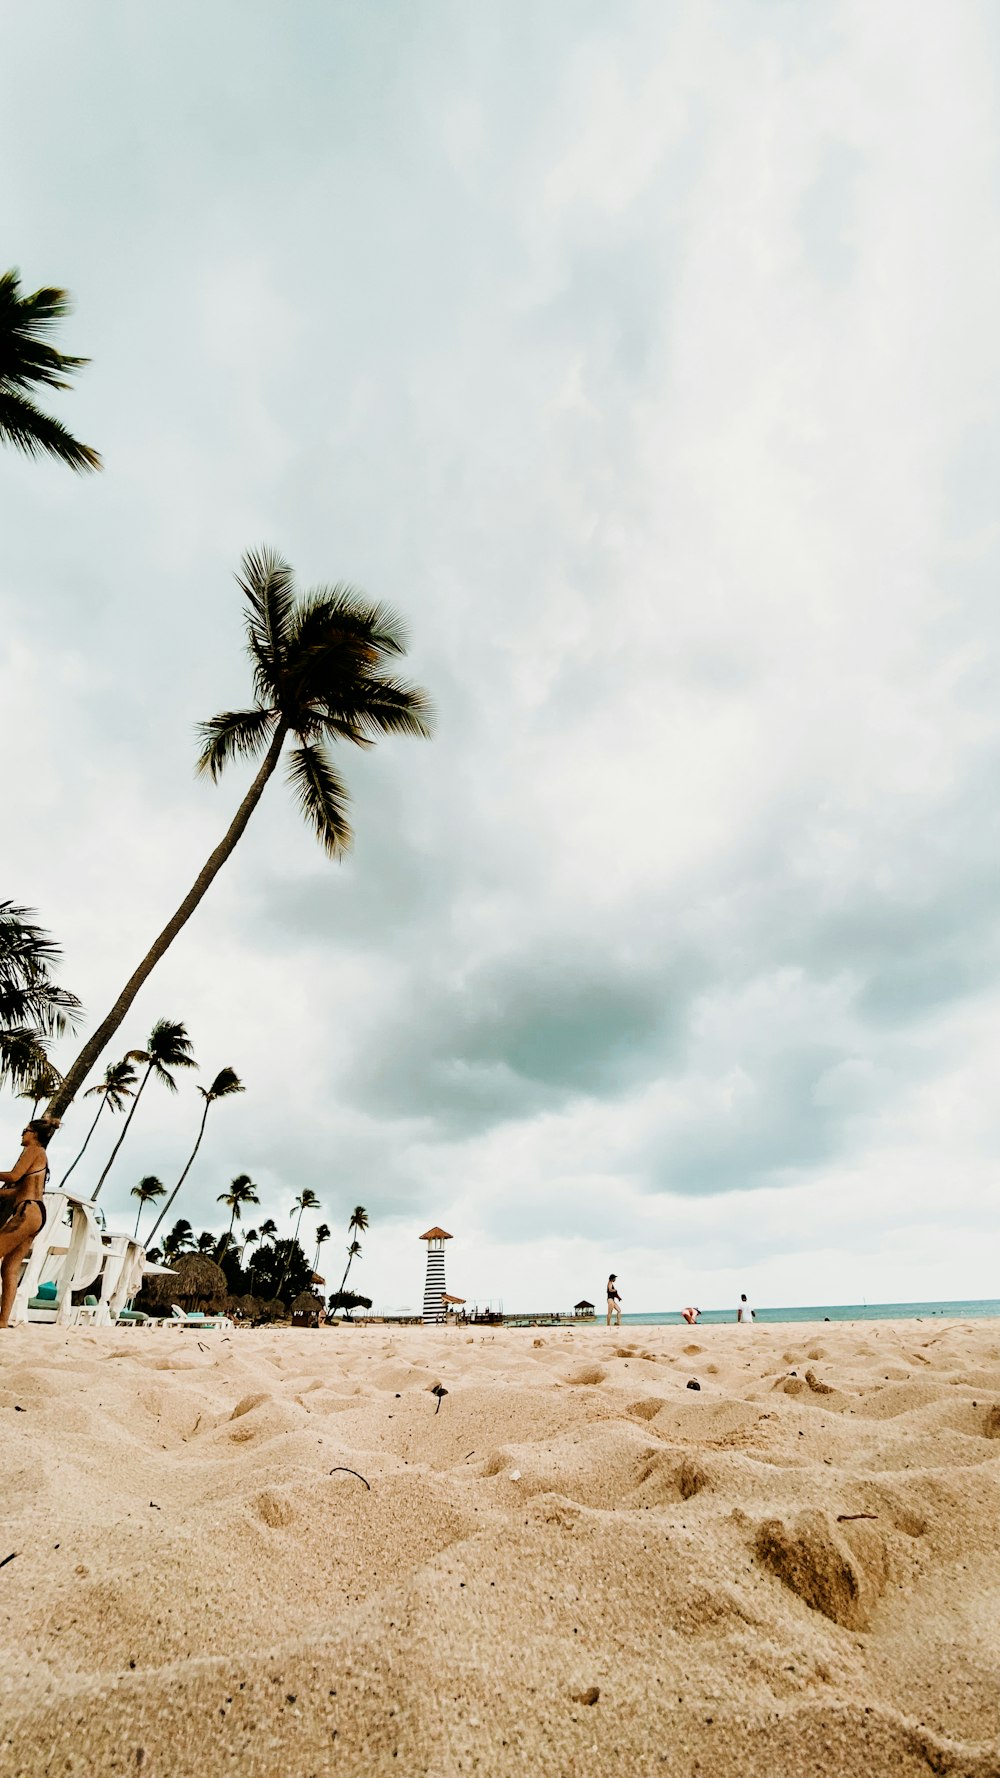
(22, 1213)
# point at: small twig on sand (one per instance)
(842, 1518)
(342, 1469)
(7, 1559)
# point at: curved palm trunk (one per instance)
(224, 1245)
(319, 1244)
(132, 1111)
(180, 1182)
(138, 1219)
(90, 1132)
(288, 1256)
(107, 1028)
(350, 1262)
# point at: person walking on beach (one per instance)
(22, 1213)
(614, 1301)
(744, 1312)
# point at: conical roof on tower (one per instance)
(436, 1235)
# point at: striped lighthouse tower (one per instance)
(434, 1280)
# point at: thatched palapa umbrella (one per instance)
(195, 1283)
(306, 1309)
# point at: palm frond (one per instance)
(373, 706)
(226, 1081)
(347, 610)
(266, 583)
(22, 1056)
(23, 425)
(235, 734)
(322, 798)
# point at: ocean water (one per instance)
(978, 1310)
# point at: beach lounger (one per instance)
(196, 1318)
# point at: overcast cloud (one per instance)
(646, 359)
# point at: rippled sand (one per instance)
(573, 1564)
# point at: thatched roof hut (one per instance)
(306, 1309)
(194, 1283)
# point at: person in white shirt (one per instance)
(744, 1312)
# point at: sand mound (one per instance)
(281, 1552)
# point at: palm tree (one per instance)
(306, 1200)
(117, 1086)
(32, 1008)
(242, 1191)
(322, 1236)
(226, 1082)
(42, 1085)
(29, 361)
(269, 1230)
(167, 1046)
(319, 676)
(250, 1239)
(180, 1239)
(356, 1226)
(147, 1191)
(207, 1242)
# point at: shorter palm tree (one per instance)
(42, 1085)
(168, 1046)
(147, 1191)
(242, 1191)
(29, 361)
(226, 1082)
(250, 1239)
(322, 1236)
(306, 1200)
(356, 1226)
(179, 1239)
(269, 1230)
(117, 1086)
(207, 1242)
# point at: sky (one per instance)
(645, 359)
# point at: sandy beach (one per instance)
(568, 1563)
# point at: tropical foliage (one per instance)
(356, 1226)
(319, 677)
(29, 361)
(241, 1192)
(33, 1009)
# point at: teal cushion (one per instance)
(47, 1292)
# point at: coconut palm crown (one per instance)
(29, 360)
(319, 676)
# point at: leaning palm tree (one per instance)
(147, 1191)
(356, 1226)
(319, 676)
(167, 1046)
(226, 1083)
(42, 1085)
(117, 1086)
(29, 361)
(32, 1008)
(242, 1191)
(322, 1236)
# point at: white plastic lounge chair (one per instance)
(197, 1319)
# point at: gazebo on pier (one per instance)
(434, 1304)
